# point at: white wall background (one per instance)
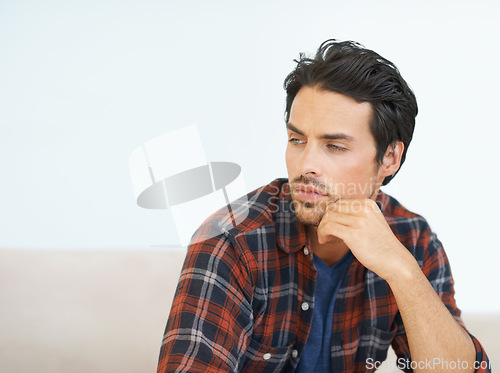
(83, 83)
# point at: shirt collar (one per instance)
(382, 201)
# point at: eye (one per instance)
(295, 141)
(336, 148)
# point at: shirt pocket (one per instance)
(373, 344)
(262, 358)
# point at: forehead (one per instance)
(314, 110)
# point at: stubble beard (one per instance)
(310, 213)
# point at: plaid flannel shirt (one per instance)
(246, 293)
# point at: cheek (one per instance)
(353, 178)
(290, 159)
(346, 168)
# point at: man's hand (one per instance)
(363, 228)
(431, 329)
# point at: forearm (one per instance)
(433, 333)
(208, 324)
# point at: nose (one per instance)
(308, 161)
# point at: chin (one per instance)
(308, 213)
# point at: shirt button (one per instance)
(305, 306)
(267, 356)
(295, 353)
(306, 251)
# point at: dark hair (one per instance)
(351, 69)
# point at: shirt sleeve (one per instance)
(210, 321)
(437, 269)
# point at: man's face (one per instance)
(330, 152)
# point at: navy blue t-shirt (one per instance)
(316, 355)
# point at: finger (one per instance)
(361, 201)
(326, 231)
(341, 218)
(354, 206)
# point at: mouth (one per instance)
(309, 193)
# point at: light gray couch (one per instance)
(102, 311)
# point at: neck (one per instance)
(330, 252)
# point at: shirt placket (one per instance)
(307, 303)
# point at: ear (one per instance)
(392, 158)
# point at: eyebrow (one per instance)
(326, 136)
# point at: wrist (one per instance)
(404, 272)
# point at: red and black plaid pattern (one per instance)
(245, 296)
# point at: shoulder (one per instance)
(412, 229)
(398, 215)
(252, 211)
(222, 241)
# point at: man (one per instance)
(326, 271)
